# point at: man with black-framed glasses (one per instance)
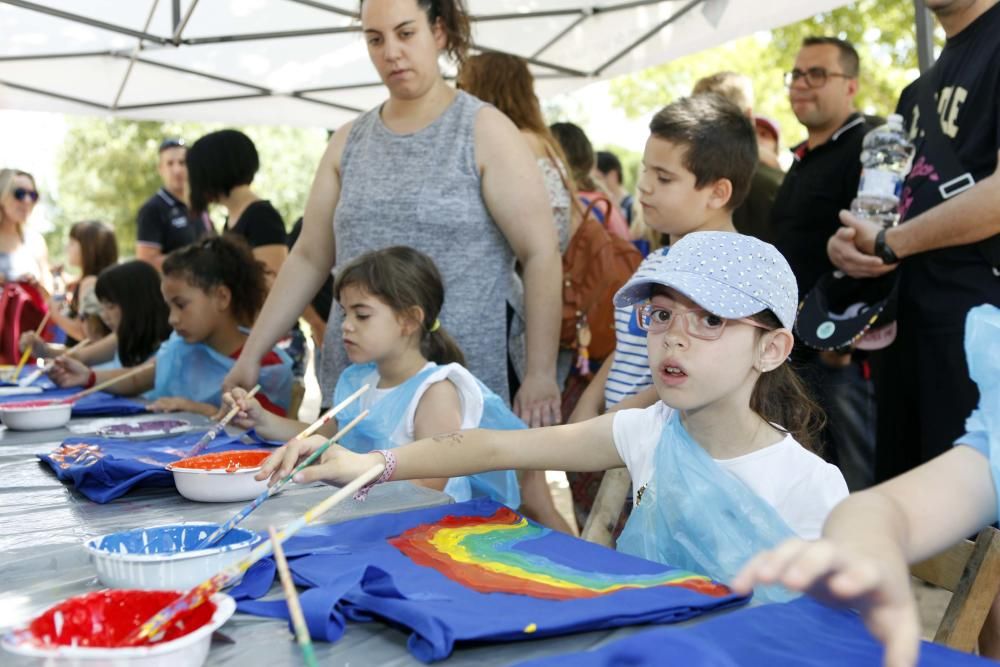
(823, 180)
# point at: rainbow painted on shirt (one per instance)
(482, 553)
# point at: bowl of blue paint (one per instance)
(165, 557)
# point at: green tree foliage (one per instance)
(883, 31)
(107, 169)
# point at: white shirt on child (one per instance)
(469, 394)
(798, 484)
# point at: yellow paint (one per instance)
(531, 627)
(449, 541)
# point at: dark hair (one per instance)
(608, 162)
(135, 288)
(849, 59)
(454, 21)
(721, 141)
(223, 260)
(98, 245)
(217, 163)
(781, 398)
(172, 142)
(405, 278)
(579, 152)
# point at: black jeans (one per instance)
(847, 395)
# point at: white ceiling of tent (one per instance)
(303, 62)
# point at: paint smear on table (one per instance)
(104, 618)
(488, 554)
(229, 461)
(144, 428)
(164, 540)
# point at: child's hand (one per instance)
(178, 404)
(68, 372)
(251, 415)
(39, 347)
(336, 466)
(878, 586)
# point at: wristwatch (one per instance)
(882, 249)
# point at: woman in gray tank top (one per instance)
(442, 172)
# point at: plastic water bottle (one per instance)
(886, 155)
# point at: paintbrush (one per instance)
(29, 380)
(292, 599)
(155, 627)
(98, 387)
(217, 429)
(271, 490)
(28, 350)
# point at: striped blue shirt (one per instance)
(630, 367)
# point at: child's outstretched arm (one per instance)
(869, 538)
(587, 446)
(70, 372)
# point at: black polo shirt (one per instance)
(805, 214)
(166, 223)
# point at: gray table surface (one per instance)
(43, 523)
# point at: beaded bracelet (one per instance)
(390, 468)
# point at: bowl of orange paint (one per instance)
(83, 629)
(222, 477)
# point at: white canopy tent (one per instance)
(303, 62)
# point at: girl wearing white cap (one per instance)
(717, 465)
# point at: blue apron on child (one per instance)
(982, 353)
(696, 516)
(195, 371)
(375, 430)
(802, 633)
(357, 571)
(103, 469)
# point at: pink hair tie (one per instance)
(390, 468)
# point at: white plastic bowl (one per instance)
(187, 651)
(217, 485)
(120, 563)
(54, 415)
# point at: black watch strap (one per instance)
(882, 249)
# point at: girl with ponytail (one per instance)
(214, 289)
(391, 301)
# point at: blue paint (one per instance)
(165, 540)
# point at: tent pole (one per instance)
(135, 54)
(77, 18)
(925, 35)
(176, 39)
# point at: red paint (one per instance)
(228, 461)
(27, 405)
(105, 618)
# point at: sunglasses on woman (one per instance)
(22, 194)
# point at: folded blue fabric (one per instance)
(473, 572)
(802, 633)
(103, 469)
(98, 404)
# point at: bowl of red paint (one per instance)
(35, 415)
(83, 629)
(222, 477)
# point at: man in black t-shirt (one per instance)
(946, 248)
(822, 180)
(164, 222)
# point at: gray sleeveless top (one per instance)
(423, 190)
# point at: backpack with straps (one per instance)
(22, 308)
(595, 266)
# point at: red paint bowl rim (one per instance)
(175, 468)
(20, 407)
(225, 607)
